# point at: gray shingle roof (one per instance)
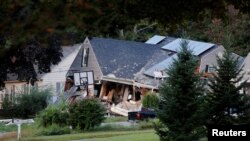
(122, 58)
(77, 63)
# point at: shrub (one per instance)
(151, 100)
(86, 114)
(54, 114)
(27, 105)
(54, 130)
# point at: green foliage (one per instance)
(181, 97)
(54, 129)
(224, 94)
(115, 119)
(70, 21)
(151, 100)
(230, 30)
(86, 114)
(56, 114)
(161, 130)
(28, 105)
(9, 128)
(7, 103)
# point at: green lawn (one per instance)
(140, 135)
(151, 136)
(137, 135)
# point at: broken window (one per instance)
(85, 57)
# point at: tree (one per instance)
(226, 104)
(231, 30)
(181, 97)
(26, 60)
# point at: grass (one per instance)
(27, 131)
(141, 132)
(146, 136)
(108, 135)
(115, 119)
(115, 128)
(103, 135)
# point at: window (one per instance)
(85, 55)
(210, 69)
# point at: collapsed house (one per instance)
(122, 72)
(113, 65)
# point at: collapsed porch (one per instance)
(119, 96)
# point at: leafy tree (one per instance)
(86, 114)
(181, 98)
(226, 104)
(231, 30)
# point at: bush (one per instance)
(54, 130)
(86, 114)
(28, 105)
(151, 100)
(54, 114)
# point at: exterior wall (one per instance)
(210, 58)
(92, 61)
(14, 88)
(57, 77)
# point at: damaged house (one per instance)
(122, 72)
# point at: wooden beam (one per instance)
(103, 89)
(125, 96)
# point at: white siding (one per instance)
(210, 58)
(17, 88)
(246, 68)
(58, 72)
